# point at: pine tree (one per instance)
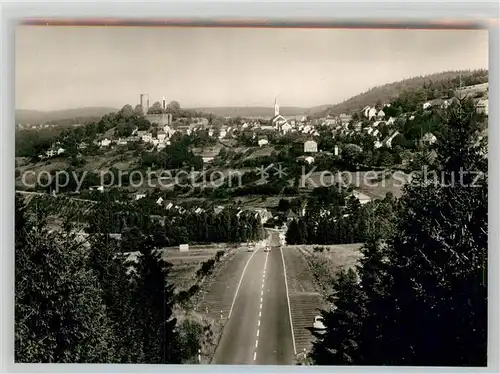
(154, 296)
(424, 294)
(59, 311)
(292, 233)
(339, 344)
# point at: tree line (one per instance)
(78, 303)
(334, 217)
(81, 300)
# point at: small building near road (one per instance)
(310, 146)
(184, 247)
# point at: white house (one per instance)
(162, 136)
(155, 142)
(372, 112)
(262, 142)
(426, 105)
(147, 138)
(159, 201)
(365, 111)
(482, 106)
(222, 133)
(336, 150)
(429, 138)
(310, 146)
(363, 199)
(105, 143)
(168, 130)
(309, 159)
(286, 128)
(377, 144)
(161, 146)
(210, 132)
(60, 150)
(388, 141)
(391, 120)
(380, 114)
(139, 196)
(122, 141)
(263, 214)
(345, 118)
(306, 129)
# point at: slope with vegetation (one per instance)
(419, 297)
(430, 86)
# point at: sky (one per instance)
(61, 67)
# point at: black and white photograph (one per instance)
(251, 195)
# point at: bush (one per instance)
(218, 255)
(206, 268)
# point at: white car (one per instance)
(251, 249)
(267, 249)
(318, 324)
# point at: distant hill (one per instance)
(252, 111)
(387, 92)
(384, 93)
(24, 116)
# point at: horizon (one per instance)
(82, 67)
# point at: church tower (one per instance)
(276, 108)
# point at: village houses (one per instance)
(310, 146)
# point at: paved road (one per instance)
(258, 331)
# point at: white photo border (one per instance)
(289, 13)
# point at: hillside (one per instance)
(439, 82)
(24, 116)
(387, 92)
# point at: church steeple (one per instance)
(276, 107)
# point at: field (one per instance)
(371, 183)
(186, 264)
(217, 295)
(309, 274)
(326, 265)
(304, 298)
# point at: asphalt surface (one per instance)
(258, 331)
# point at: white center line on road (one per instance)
(254, 355)
(258, 322)
(260, 308)
(260, 313)
(288, 300)
(261, 293)
(239, 284)
(256, 343)
(261, 300)
(257, 332)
